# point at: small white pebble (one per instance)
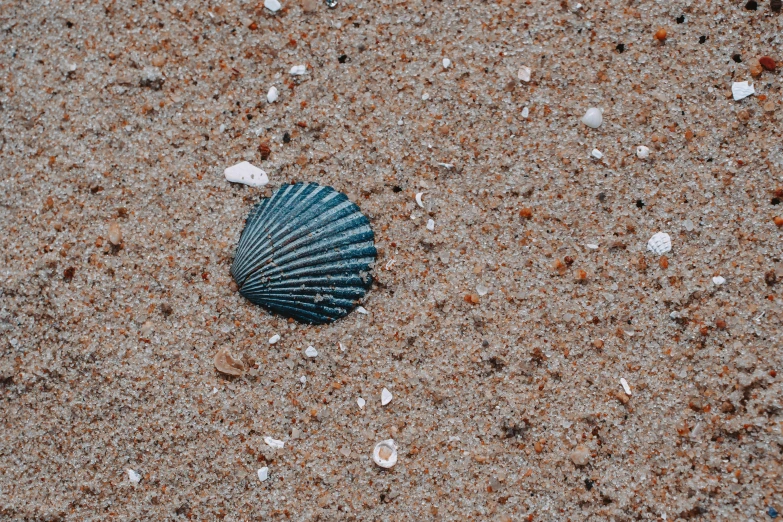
(272, 95)
(481, 290)
(274, 442)
(446, 63)
(263, 474)
(298, 70)
(741, 90)
(361, 402)
(593, 118)
(524, 74)
(425, 96)
(386, 397)
(311, 352)
(525, 112)
(430, 224)
(626, 388)
(247, 174)
(642, 152)
(342, 346)
(688, 224)
(303, 379)
(274, 339)
(597, 154)
(362, 310)
(272, 5)
(133, 476)
(592, 246)
(718, 280)
(214, 391)
(418, 199)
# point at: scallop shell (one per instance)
(306, 252)
(660, 243)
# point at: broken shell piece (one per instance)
(524, 74)
(418, 199)
(481, 290)
(446, 63)
(718, 280)
(311, 352)
(361, 402)
(226, 363)
(741, 90)
(246, 173)
(593, 118)
(263, 474)
(298, 70)
(626, 388)
(385, 453)
(274, 339)
(430, 225)
(386, 397)
(642, 152)
(597, 154)
(277, 444)
(272, 95)
(272, 5)
(660, 243)
(135, 477)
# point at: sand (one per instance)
(501, 334)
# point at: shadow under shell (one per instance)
(306, 252)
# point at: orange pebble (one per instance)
(779, 221)
(660, 34)
(768, 63)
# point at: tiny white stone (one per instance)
(446, 63)
(400, 122)
(272, 95)
(430, 224)
(597, 154)
(688, 224)
(481, 290)
(247, 174)
(274, 442)
(342, 347)
(361, 402)
(446, 165)
(642, 152)
(660, 243)
(386, 397)
(362, 310)
(718, 280)
(389, 456)
(524, 74)
(311, 352)
(425, 96)
(303, 379)
(741, 90)
(525, 112)
(272, 5)
(626, 388)
(214, 391)
(592, 246)
(418, 199)
(593, 118)
(133, 476)
(263, 474)
(298, 70)
(274, 339)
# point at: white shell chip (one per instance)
(418, 199)
(263, 474)
(311, 352)
(430, 225)
(361, 402)
(660, 243)
(272, 5)
(626, 388)
(597, 154)
(247, 174)
(385, 453)
(524, 74)
(272, 95)
(718, 280)
(274, 442)
(593, 118)
(274, 339)
(386, 397)
(741, 90)
(642, 152)
(133, 476)
(298, 70)
(446, 63)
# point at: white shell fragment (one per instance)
(133, 476)
(386, 397)
(263, 474)
(298, 70)
(362, 310)
(425, 96)
(246, 173)
(385, 453)
(642, 152)
(430, 225)
(446, 63)
(303, 379)
(741, 90)
(274, 339)
(524, 74)
(525, 112)
(626, 388)
(361, 402)
(660, 243)
(272, 5)
(272, 95)
(597, 154)
(718, 280)
(274, 443)
(592, 246)
(311, 352)
(418, 199)
(481, 290)
(593, 118)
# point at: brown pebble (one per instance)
(778, 221)
(755, 68)
(580, 456)
(663, 262)
(720, 323)
(622, 397)
(226, 363)
(309, 6)
(68, 273)
(264, 149)
(775, 5)
(770, 278)
(472, 298)
(598, 343)
(538, 446)
(233, 286)
(767, 62)
(526, 213)
(660, 34)
(158, 60)
(115, 234)
(727, 407)
(743, 115)
(166, 309)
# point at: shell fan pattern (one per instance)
(306, 252)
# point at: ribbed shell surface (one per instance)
(306, 252)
